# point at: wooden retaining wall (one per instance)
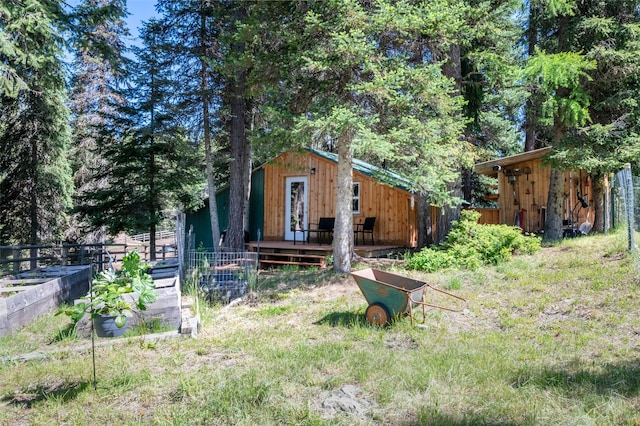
(34, 293)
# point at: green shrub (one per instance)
(430, 260)
(470, 245)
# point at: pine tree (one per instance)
(35, 182)
(378, 94)
(153, 169)
(607, 33)
(191, 38)
(99, 30)
(585, 79)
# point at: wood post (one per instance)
(16, 264)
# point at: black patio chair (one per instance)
(323, 228)
(364, 229)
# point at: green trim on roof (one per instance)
(384, 175)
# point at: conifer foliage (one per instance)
(424, 88)
(35, 176)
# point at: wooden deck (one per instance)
(278, 253)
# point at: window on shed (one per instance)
(356, 198)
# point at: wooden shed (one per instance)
(523, 189)
(297, 188)
(314, 173)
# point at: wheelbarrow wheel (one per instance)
(377, 314)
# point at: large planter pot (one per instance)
(105, 326)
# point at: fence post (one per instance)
(629, 204)
(34, 255)
(65, 254)
(100, 259)
(16, 263)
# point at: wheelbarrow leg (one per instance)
(411, 309)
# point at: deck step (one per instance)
(289, 262)
(300, 259)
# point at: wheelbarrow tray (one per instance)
(395, 292)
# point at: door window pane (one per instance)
(297, 206)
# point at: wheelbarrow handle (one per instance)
(423, 303)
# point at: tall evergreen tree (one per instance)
(233, 77)
(152, 168)
(584, 73)
(35, 182)
(375, 97)
(479, 56)
(191, 38)
(99, 31)
(607, 33)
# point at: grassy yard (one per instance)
(547, 339)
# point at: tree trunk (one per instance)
(425, 237)
(152, 175)
(33, 205)
(553, 218)
(599, 206)
(211, 184)
(529, 127)
(554, 213)
(238, 139)
(152, 241)
(237, 134)
(452, 68)
(343, 230)
(530, 109)
(448, 214)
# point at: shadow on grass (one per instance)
(621, 378)
(63, 392)
(343, 319)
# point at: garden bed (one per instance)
(167, 309)
(25, 296)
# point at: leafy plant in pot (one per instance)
(111, 300)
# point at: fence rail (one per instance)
(160, 235)
(14, 259)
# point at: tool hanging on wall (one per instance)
(535, 208)
(512, 181)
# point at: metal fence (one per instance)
(223, 276)
(624, 208)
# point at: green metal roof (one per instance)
(384, 175)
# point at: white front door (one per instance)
(296, 208)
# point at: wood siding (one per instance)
(393, 207)
(523, 200)
(489, 216)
